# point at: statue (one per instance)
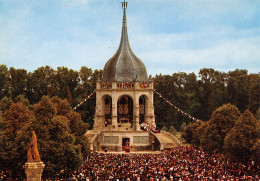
(33, 153)
(127, 144)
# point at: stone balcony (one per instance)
(124, 85)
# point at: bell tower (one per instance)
(124, 95)
(124, 100)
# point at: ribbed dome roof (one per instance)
(124, 66)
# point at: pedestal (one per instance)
(33, 170)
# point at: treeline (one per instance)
(60, 135)
(228, 131)
(42, 100)
(198, 96)
(65, 83)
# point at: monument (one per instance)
(33, 167)
(124, 102)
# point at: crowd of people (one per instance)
(183, 163)
(148, 127)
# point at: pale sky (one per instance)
(169, 36)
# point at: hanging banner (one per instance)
(74, 109)
(186, 114)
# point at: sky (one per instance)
(169, 36)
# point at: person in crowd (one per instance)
(183, 163)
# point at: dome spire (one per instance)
(124, 5)
(124, 66)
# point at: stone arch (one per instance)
(125, 110)
(107, 109)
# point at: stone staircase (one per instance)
(167, 140)
(90, 134)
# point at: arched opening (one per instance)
(142, 101)
(125, 111)
(108, 110)
(126, 142)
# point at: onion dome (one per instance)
(124, 66)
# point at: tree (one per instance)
(17, 116)
(5, 103)
(190, 132)
(241, 138)
(17, 81)
(60, 133)
(4, 81)
(210, 137)
(254, 93)
(22, 99)
(67, 80)
(222, 121)
(41, 82)
(238, 88)
(213, 91)
(88, 84)
(255, 150)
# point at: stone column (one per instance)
(114, 107)
(34, 170)
(136, 112)
(149, 113)
(99, 116)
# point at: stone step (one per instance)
(167, 141)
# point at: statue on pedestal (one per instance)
(33, 167)
(33, 153)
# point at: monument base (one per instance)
(34, 170)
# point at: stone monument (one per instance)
(124, 104)
(34, 166)
(124, 100)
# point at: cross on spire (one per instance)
(124, 5)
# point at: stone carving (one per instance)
(33, 153)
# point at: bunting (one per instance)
(184, 113)
(74, 109)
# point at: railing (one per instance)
(155, 136)
(106, 85)
(125, 85)
(171, 136)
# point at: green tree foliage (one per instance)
(88, 79)
(238, 88)
(67, 81)
(190, 133)
(198, 96)
(225, 118)
(5, 103)
(222, 121)
(210, 137)
(16, 116)
(254, 92)
(60, 132)
(14, 119)
(255, 150)
(4, 81)
(18, 83)
(213, 92)
(22, 99)
(182, 90)
(242, 137)
(40, 83)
